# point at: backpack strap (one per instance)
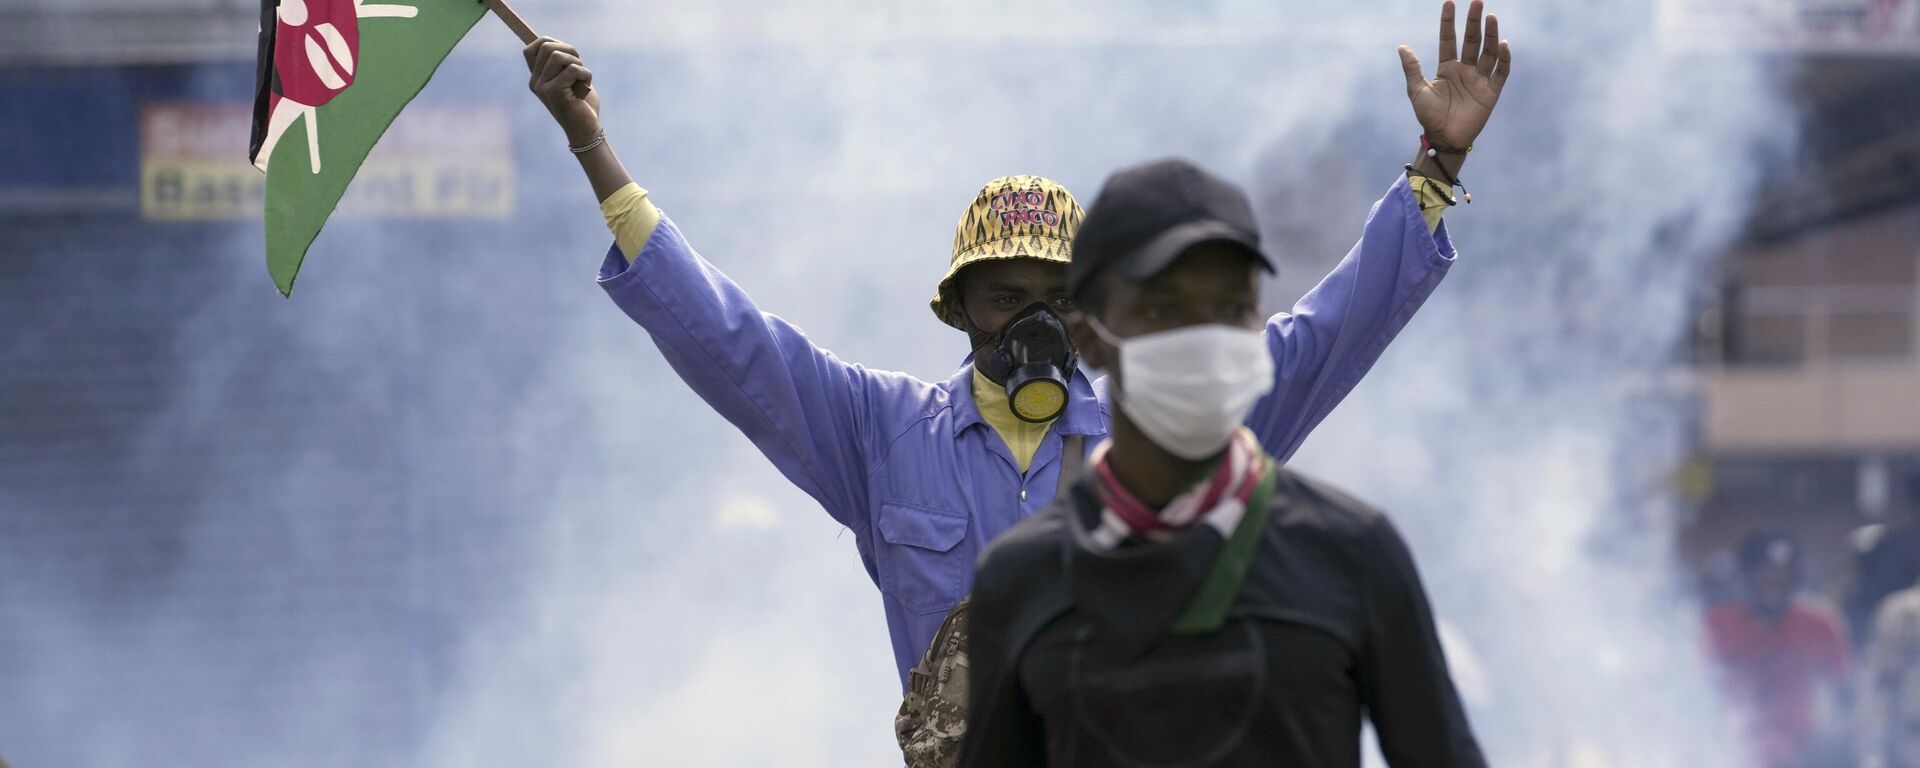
(1073, 454)
(1207, 611)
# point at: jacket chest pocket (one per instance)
(924, 566)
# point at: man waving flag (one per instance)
(333, 74)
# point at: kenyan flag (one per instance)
(333, 74)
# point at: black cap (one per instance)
(1147, 215)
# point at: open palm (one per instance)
(1454, 106)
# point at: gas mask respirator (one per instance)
(1033, 357)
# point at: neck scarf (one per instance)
(1218, 501)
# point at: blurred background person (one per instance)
(1886, 559)
(1785, 660)
(1887, 715)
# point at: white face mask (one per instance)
(1188, 389)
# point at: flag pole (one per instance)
(512, 20)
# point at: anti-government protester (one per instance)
(926, 473)
(1188, 601)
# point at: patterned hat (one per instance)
(1012, 217)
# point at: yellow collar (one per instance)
(1022, 437)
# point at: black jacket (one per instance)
(1072, 664)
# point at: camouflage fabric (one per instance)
(933, 718)
(1888, 711)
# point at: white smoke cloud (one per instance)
(611, 576)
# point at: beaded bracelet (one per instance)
(1433, 150)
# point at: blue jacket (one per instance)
(909, 465)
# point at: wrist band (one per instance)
(1419, 183)
(598, 139)
(1427, 146)
(1432, 152)
(1451, 182)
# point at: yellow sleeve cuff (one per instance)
(631, 217)
(1432, 196)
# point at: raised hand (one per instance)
(1454, 106)
(565, 86)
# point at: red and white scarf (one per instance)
(1218, 501)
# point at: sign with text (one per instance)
(433, 162)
